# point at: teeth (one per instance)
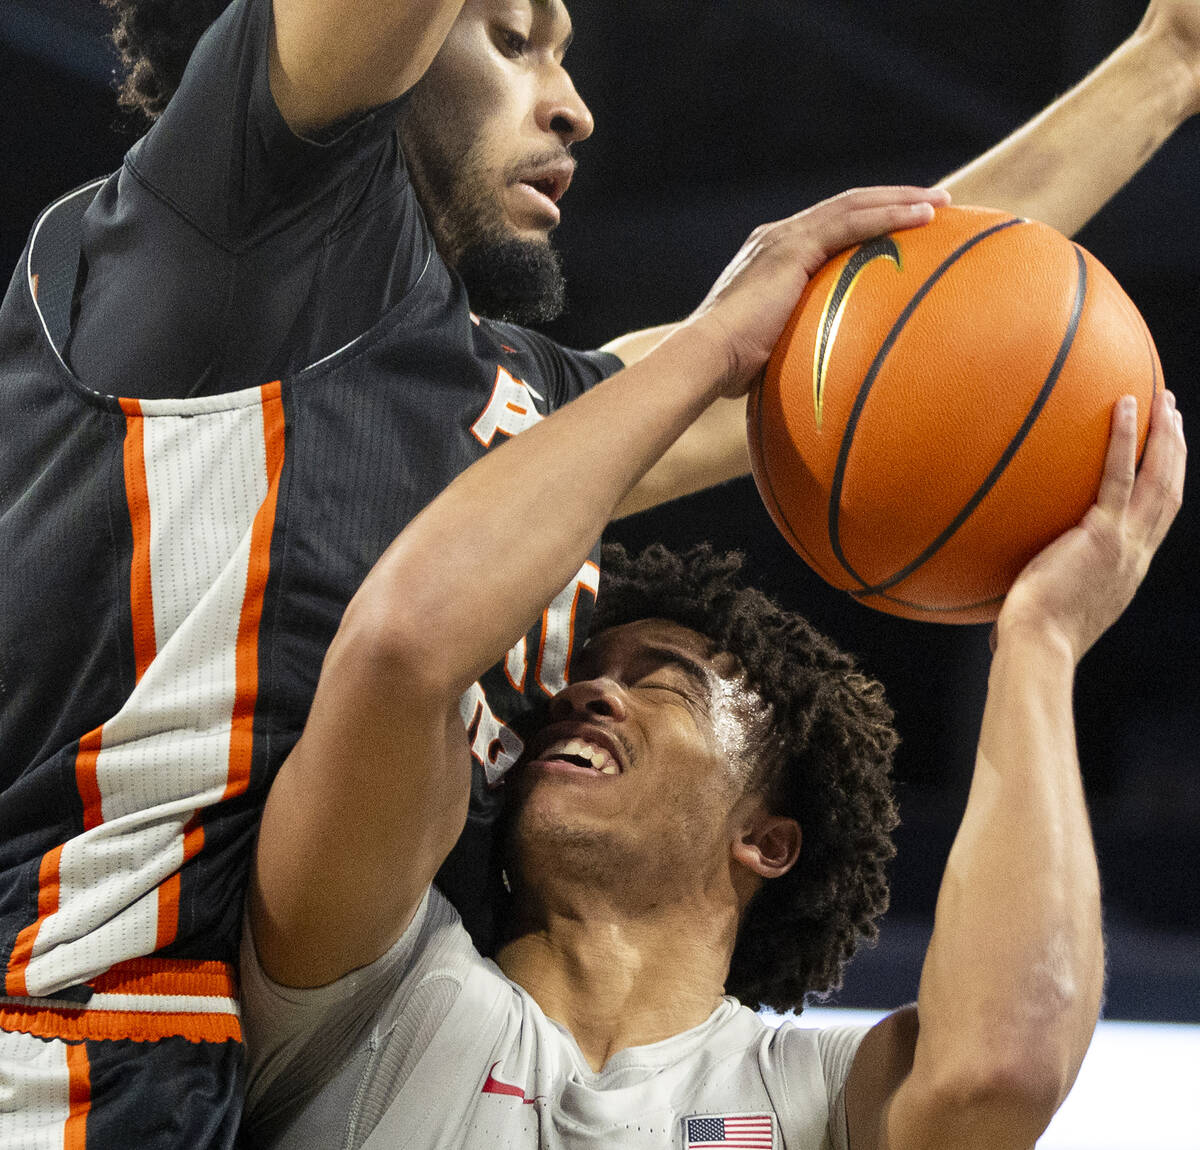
(600, 760)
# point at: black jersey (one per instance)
(180, 530)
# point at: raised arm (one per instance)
(1069, 161)
(374, 794)
(333, 58)
(1060, 168)
(1011, 985)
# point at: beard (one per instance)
(518, 281)
(507, 278)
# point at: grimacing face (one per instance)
(487, 135)
(643, 764)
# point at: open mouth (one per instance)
(584, 753)
(550, 187)
(548, 177)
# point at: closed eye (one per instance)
(685, 692)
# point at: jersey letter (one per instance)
(509, 411)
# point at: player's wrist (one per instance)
(1168, 58)
(710, 350)
(1025, 630)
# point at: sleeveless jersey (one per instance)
(432, 1048)
(171, 573)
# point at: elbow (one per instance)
(390, 646)
(1003, 1101)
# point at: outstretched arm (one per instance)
(333, 58)
(374, 794)
(1011, 985)
(1069, 161)
(1060, 168)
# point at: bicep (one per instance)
(358, 821)
(894, 1101)
(881, 1065)
(330, 60)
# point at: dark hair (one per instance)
(155, 39)
(827, 764)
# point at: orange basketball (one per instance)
(938, 409)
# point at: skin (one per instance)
(491, 109)
(496, 110)
(673, 706)
(624, 881)
(1061, 168)
(375, 792)
(386, 707)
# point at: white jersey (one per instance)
(433, 1048)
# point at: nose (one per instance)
(562, 109)
(600, 698)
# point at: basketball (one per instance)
(938, 409)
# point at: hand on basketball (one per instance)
(1085, 579)
(747, 308)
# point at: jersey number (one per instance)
(495, 746)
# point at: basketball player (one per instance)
(704, 809)
(232, 372)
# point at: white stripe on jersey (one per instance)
(166, 753)
(36, 1073)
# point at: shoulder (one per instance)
(806, 1069)
(563, 372)
(301, 1044)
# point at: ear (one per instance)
(768, 844)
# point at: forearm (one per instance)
(712, 451)
(584, 459)
(383, 760)
(1067, 162)
(1011, 985)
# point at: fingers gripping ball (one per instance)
(938, 409)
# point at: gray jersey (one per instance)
(436, 1048)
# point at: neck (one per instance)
(616, 978)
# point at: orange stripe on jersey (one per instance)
(168, 890)
(195, 977)
(137, 493)
(72, 1024)
(79, 1072)
(85, 778)
(168, 911)
(22, 951)
(246, 697)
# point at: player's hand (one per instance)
(747, 308)
(1179, 22)
(1078, 586)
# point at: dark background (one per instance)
(714, 116)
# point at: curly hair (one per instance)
(828, 765)
(155, 39)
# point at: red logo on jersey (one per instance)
(495, 1086)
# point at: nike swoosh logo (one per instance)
(492, 1085)
(884, 247)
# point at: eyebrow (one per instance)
(700, 673)
(547, 6)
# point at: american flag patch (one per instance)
(715, 1131)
